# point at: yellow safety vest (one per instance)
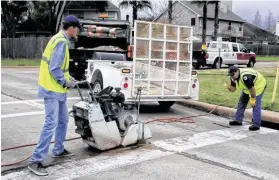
(46, 80)
(259, 81)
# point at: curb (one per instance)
(268, 116)
(265, 61)
(19, 67)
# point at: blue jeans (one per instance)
(242, 104)
(56, 119)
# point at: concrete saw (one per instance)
(104, 120)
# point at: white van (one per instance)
(228, 53)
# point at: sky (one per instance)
(246, 9)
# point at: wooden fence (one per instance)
(27, 47)
(33, 47)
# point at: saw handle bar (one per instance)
(90, 89)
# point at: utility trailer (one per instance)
(161, 66)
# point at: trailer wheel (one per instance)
(97, 86)
(166, 104)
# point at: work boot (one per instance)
(254, 127)
(38, 169)
(65, 153)
(235, 123)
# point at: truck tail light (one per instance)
(194, 84)
(130, 51)
(125, 83)
(206, 56)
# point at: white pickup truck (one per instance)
(161, 66)
(228, 53)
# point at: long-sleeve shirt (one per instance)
(56, 61)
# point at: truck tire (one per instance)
(166, 104)
(197, 66)
(217, 64)
(97, 86)
(251, 63)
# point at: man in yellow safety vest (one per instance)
(252, 84)
(54, 82)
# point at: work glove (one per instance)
(70, 84)
(253, 102)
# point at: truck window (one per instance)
(242, 48)
(235, 48)
(213, 45)
(225, 47)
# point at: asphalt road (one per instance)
(206, 149)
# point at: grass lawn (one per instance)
(20, 62)
(267, 58)
(212, 88)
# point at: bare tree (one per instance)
(216, 20)
(258, 19)
(204, 20)
(270, 22)
(170, 10)
(136, 5)
(157, 9)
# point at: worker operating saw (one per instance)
(252, 84)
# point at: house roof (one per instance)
(229, 16)
(110, 7)
(250, 30)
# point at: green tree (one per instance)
(49, 13)
(11, 14)
(136, 5)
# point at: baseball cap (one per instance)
(232, 70)
(72, 20)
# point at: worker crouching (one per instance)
(252, 84)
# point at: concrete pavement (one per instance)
(206, 149)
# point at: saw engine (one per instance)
(104, 120)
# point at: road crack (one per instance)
(224, 166)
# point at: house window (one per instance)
(230, 23)
(240, 27)
(78, 14)
(193, 21)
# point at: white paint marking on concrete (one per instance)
(75, 169)
(91, 166)
(31, 101)
(34, 104)
(25, 114)
(185, 143)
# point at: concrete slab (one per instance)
(172, 167)
(206, 149)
